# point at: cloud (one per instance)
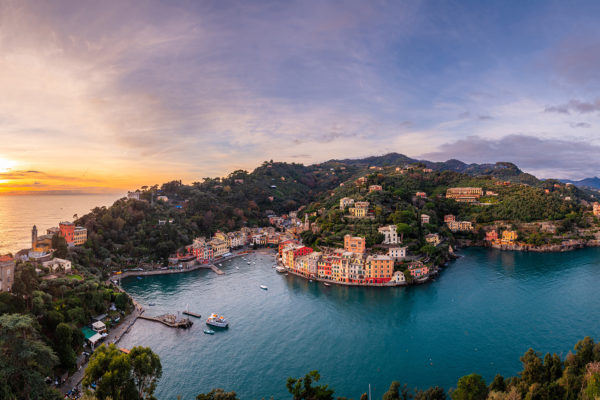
(580, 125)
(580, 107)
(559, 158)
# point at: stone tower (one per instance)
(34, 235)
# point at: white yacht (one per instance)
(264, 287)
(217, 320)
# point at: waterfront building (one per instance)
(417, 269)
(346, 202)
(354, 244)
(79, 236)
(433, 238)
(67, 230)
(390, 236)
(425, 219)
(306, 264)
(219, 247)
(379, 269)
(464, 194)
(449, 218)
(397, 253)
(398, 278)
(324, 267)
(360, 209)
(509, 237)
(491, 236)
(375, 188)
(58, 265)
(7, 272)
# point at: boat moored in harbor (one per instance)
(217, 320)
(209, 332)
(280, 269)
(264, 287)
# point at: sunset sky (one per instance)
(110, 95)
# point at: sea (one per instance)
(18, 214)
(480, 315)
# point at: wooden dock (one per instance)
(169, 320)
(193, 314)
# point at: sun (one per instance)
(6, 165)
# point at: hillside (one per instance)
(590, 183)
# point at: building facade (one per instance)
(354, 244)
(390, 236)
(7, 273)
(464, 194)
(397, 253)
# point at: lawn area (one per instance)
(75, 276)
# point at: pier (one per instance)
(193, 314)
(169, 320)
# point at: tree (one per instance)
(147, 370)
(217, 394)
(402, 229)
(24, 360)
(433, 393)
(123, 376)
(533, 369)
(121, 301)
(470, 387)
(302, 388)
(498, 384)
(59, 244)
(63, 344)
(395, 393)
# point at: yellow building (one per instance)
(219, 247)
(360, 209)
(596, 209)
(464, 194)
(79, 236)
(509, 237)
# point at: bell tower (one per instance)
(34, 237)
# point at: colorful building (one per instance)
(346, 202)
(491, 236)
(379, 269)
(433, 238)
(456, 226)
(449, 218)
(464, 194)
(360, 209)
(354, 244)
(417, 269)
(596, 209)
(509, 237)
(421, 195)
(67, 230)
(375, 188)
(79, 235)
(425, 218)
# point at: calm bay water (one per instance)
(480, 315)
(18, 214)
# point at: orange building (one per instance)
(67, 230)
(379, 269)
(354, 244)
(375, 188)
(509, 237)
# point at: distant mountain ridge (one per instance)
(500, 170)
(593, 183)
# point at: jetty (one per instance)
(169, 320)
(193, 314)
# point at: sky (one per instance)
(113, 95)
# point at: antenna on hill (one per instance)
(369, 391)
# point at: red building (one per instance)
(67, 230)
(449, 218)
(491, 236)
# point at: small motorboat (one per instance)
(326, 284)
(249, 263)
(263, 287)
(152, 304)
(209, 331)
(220, 265)
(310, 280)
(280, 269)
(139, 277)
(237, 267)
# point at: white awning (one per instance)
(95, 339)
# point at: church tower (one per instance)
(34, 237)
